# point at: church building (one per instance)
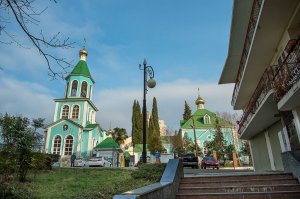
(205, 123)
(74, 129)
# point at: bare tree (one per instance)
(24, 13)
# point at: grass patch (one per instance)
(83, 183)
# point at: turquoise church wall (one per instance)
(81, 106)
(58, 130)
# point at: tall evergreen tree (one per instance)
(139, 124)
(136, 123)
(154, 142)
(187, 111)
(155, 116)
(133, 123)
(218, 143)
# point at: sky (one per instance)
(186, 43)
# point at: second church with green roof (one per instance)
(74, 129)
(205, 123)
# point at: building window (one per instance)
(65, 112)
(206, 119)
(83, 89)
(74, 88)
(69, 145)
(57, 145)
(75, 112)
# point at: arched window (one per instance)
(206, 119)
(75, 112)
(74, 88)
(65, 112)
(69, 145)
(57, 145)
(83, 89)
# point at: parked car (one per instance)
(55, 164)
(209, 162)
(189, 160)
(79, 162)
(95, 162)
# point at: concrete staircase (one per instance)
(250, 185)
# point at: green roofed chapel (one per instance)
(205, 123)
(74, 129)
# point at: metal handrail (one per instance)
(280, 78)
(249, 36)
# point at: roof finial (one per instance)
(198, 92)
(83, 52)
(84, 43)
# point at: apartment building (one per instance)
(263, 62)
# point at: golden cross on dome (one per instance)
(84, 43)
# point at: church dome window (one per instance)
(83, 89)
(65, 112)
(75, 112)
(69, 145)
(57, 145)
(206, 119)
(74, 88)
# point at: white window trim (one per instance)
(61, 110)
(64, 148)
(87, 89)
(206, 116)
(71, 114)
(70, 90)
(61, 144)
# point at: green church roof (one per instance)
(81, 69)
(108, 143)
(199, 120)
(92, 126)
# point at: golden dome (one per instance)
(199, 100)
(83, 52)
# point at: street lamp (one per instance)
(148, 70)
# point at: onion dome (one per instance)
(83, 54)
(199, 100)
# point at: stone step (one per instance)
(235, 189)
(244, 195)
(237, 177)
(239, 182)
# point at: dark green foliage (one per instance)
(11, 191)
(152, 172)
(177, 145)
(42, 161)
(154, 142)
(19, 139)
(189, 146)
(119, 135)
(137, 123)
(187, 112)
(218, 143)
(228, 151)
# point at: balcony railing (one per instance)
(280, 78)
(249, 36)
(289, 71)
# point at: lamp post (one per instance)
(148, 70)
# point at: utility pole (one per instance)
(196, 146)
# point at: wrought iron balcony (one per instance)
(280, 78)
(288, 73)
(249, 36)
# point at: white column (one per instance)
(55, 112)
(90, 143)
(79, 142)
(47, 141)
(250, 146)
(271, 158)
(297, 123)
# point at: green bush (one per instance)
(10, 191)
(151, 172)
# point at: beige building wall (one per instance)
(260, 153)
(275, 144)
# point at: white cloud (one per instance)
(116, 105)
(24, 98)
